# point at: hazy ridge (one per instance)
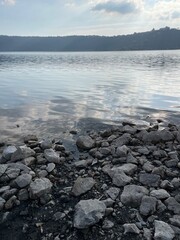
(162, 39)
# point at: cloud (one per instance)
(175, 14)
(121, 7)
(8, 2)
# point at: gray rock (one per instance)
(122, 151)
(29, 161)
(120, 179)
(30, 137)
(8, 151)
(2, 202)
(113, 192)
(3, 168)
(83, 163)
(23, 180)
(39, 187)
(51, 156)
(178, 136)
(82, 185)
(150, 180)
(9, 193)
(108, 202)
(175, 220)
(88, 213)
(148, 205)
(148, 167)
(123, 140)
(21, 153)
(161, 207)
(107, 224)
(19, 166)
(85, 142)
(132, 195)
(147, 234)
(160, 194)
(128, 168)
(131, 159)
(166, 135)
(11, 202)
(23, 195)
(46, 144)
(12, 172)
(50, 167)
(163, 231)
(3, 189)
(173, 205)
(42, 173)
(131, 228)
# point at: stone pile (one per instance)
(125, 184)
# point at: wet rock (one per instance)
(150, 180)
(23, 180)
(85, 142)
(163, 231)
(8, 151)
(113, 192)
(21, 153)
(82, 185)
(131, 228)
(173, 205)
(148, 205)
(51, 156)
(88, 213)
(132, 195)
(160, 194)
(39, 187)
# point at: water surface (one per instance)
(47, 93)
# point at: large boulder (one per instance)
(88, 213)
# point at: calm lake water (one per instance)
(48, 93)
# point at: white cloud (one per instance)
(8, 2)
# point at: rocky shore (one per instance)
(124, 185)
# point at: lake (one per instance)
(49, 93)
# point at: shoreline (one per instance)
(120, 182)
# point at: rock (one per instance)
(29, 161)
(166, 135)
(131, 228)
(120, 179)
(59, 216)
(178, 136)
(163, 231)
(46, 144)
(113, 192)
(173, 205)
(42, 173)
(108, 202)
(3, 168)
(150, 180)
(39, 187)
(160, 194)
(2, 202)
(19, 166)
(83, 163)
(132, 195)
(23, 180)
(88, 213)
(3, 189)
(9, 193)
(10, 203)
(128, 168)
(30, 138)
(148, 205)
(82, 185)
(23, 195)
(148, 167)
(175, 220)
(50, 167)
(51, 156)
(21, 153)
(12, 172)
(107, 224)
(135, 122)
(8, 151)
(85, 142)
(123, 140)
(147, 234)
(122, 151)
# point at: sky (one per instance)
(86, 17)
